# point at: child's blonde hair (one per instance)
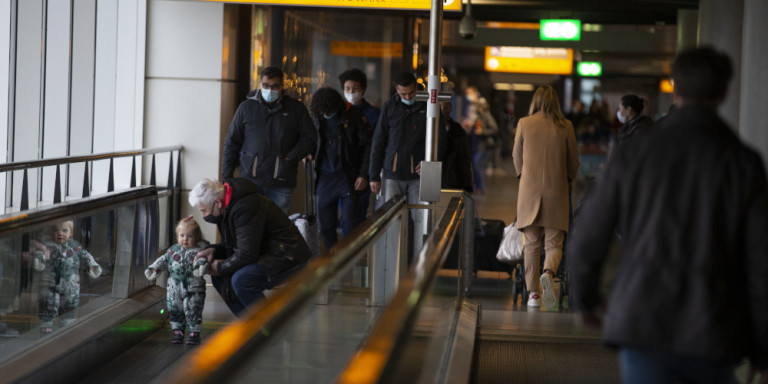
(70, 223)
(190, 222)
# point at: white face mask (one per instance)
(408, 102)
(269, 95)
(621, 117)
(354, 97)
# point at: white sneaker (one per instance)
(547, 291)
(533, 300)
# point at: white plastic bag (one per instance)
(511, 248)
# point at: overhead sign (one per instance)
(426, 5)
(555, 61)
(589, 68)
(558, 29)
(366, 49)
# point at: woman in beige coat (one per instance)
(546, 160)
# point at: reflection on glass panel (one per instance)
(52, 275)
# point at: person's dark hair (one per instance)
(405, 79)
(325, 101)
(356, 75)
(701, 75)
(273, 73)
(632, 101)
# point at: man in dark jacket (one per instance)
(399, 142)
(342, 162)
(399, 146)
(457, 162)
(260, 247)
(269, 134)
(690, 298)
(354, 82)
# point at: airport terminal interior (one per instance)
(115, 110)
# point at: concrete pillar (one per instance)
(754, 70)
(687, 28)
(720, 26)
(190, 86)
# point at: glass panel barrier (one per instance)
(64, 263)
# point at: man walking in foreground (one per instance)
(690, 299)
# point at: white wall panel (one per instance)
(105, 90)
(188, 113)
(185, 39)
(56, 95)
(82, 90)
(5, 51)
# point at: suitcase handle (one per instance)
(309, 186)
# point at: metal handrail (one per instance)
(229, 347)
(20, 165)
(371, 363)
(13, 222)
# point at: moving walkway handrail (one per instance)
(228, 348)
(16, 221)
(382, 347)
(20, 165)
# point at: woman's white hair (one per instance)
(205, 193)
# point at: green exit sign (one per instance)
(558, 29)
(589, 68)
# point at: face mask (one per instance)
(621, 117)
(210, 218)
(329, 116)
(408, 102)
(354, 98)
(269, 95)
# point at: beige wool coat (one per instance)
(546, 160)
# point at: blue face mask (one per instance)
(269, 95)
(329, 116)
(408, 102)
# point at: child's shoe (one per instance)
(194, 338)
(6, 331)
(178, 337)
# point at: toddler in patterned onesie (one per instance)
(186, 286)
(61, 276)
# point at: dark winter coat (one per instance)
(457, 162)
(266, 142)
(399, 140)
(638, 126)
(354, 139)
(692, 205)
(255, 230)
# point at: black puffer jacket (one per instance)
(255, 230)
(398, 140)
(354, 138)
(692, 203)
(266, 142)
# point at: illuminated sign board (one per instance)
(557, 29)
(589, 68)
(366, 49)
(425, 5)
(555, 61)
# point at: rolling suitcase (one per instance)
(488, 236)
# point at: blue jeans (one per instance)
(249, 284)
(332, 194)
(478, 159)
(639, 366)
(281, 196)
